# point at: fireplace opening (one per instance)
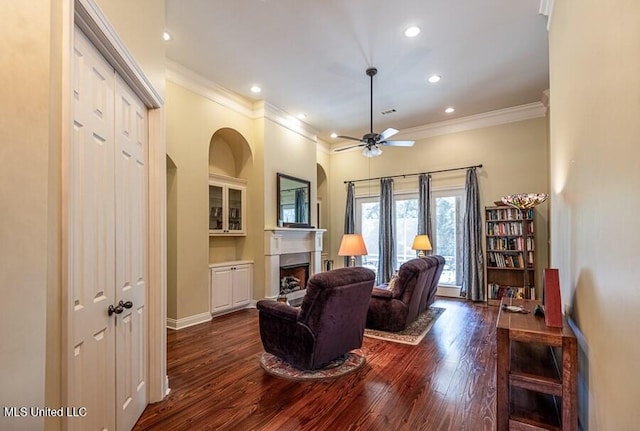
(293, 277)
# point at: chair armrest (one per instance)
(381, 293)
(278, 309)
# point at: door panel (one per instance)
(91, 239)
(131, 225)
(241, 285)
(221, 289)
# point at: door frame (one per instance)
(87, 15)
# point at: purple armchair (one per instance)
(393, 308)
(329, 323)
(429, 292)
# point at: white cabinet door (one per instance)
(221, 288)
(242, 279)
(230, 286)
(227, 206)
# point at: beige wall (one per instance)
(140, 24)
(595, 172)
(192, 120)
(513, 158)
(26, 127)
(289, 153)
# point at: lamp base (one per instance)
(421, 253)
(352, 261)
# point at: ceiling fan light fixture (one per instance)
(373, 151)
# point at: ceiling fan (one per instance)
(373, 141)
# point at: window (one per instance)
(447, 213)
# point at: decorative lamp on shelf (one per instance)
(524, 202)
(421, 243)
(352, 245)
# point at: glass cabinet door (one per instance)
(235, 210)
(216, 208)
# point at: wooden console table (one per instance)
(536, 372)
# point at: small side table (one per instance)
(536, 372)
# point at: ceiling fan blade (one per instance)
(398, 143)
(349, 137)
(349, 147)
(387, 133)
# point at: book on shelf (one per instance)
(498, 291)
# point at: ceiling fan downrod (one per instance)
(371, 72)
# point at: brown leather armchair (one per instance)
(329, 323)
(393, 308)
(429, 292)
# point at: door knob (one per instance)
(118, 309)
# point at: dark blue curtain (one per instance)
(472, 258)
(424, 206)
(350, 214)
(387, 241)
(300, 205)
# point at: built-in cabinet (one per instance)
(227, 206)
(230, 284)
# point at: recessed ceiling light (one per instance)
(301, 116)
(412, 31)
(166, 36)
(434, 78)
(256, 89)
(449, 110)
(334, 135)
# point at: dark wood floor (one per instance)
(447, 382)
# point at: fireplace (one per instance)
(293, 277)
(291, 252)
(294, 272)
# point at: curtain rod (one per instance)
(410, 175)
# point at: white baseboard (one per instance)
(448, 291)
(185, 322)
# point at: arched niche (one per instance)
(322, 195)
(229, 154)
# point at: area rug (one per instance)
(412, 334)
(346, 364)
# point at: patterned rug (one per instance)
(346, 364)
(412, 334)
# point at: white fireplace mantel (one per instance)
(279, 241)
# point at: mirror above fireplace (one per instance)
(294, 206)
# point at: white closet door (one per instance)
(91, 223)
(131, 259)
(107, 225)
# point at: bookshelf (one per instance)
(505, 236)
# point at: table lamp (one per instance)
(421, 243)
(352, 245)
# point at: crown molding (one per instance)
(190, 80)
(324, 147)
(214, 92)
(479, 121)
(284, 119)
(546, 9)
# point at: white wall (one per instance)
(595, 173)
